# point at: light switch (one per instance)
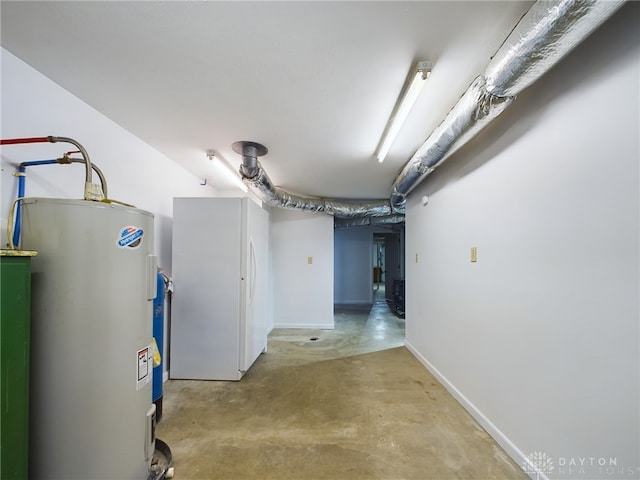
(309, 260)
(416, 258)
(474, 254)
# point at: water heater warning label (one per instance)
(130, 237)
(144, 370)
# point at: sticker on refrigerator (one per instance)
(130, 237)
(143, 367)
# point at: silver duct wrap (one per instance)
(276, 197)
(475, 109)
(370, 208)
(366, 221)
(547, 32)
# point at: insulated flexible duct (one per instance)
(548, 31)
(365, 221)
(475, 109)
(543, 37)
(276, 197)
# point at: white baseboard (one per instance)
(512, 450)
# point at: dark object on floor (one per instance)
(161, 462)
(397, 304)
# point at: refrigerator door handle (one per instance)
(252, 272)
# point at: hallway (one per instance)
(349, 403)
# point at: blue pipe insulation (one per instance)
(38, 162)
(21, 188)
(158, 334)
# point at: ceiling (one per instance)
(314, 81)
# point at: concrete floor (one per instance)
(353, 404)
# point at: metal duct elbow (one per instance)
(250, 152)
(547, 32)
(475, 109)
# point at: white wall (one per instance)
(302, 292)
(353, 265)
(34, 106)
(540, 338)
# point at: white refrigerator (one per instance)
(220, 308)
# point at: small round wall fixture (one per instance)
(251, 149)
(425, 201)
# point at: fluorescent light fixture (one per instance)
(408, 97)
(228, 170)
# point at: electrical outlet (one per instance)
(474, 254)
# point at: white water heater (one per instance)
(93, 282)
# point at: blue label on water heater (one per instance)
(130, 237)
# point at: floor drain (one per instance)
(314, 339)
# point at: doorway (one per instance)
(366, 260)
(388, 269)
(368, 264)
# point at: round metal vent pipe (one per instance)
(250, 152)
